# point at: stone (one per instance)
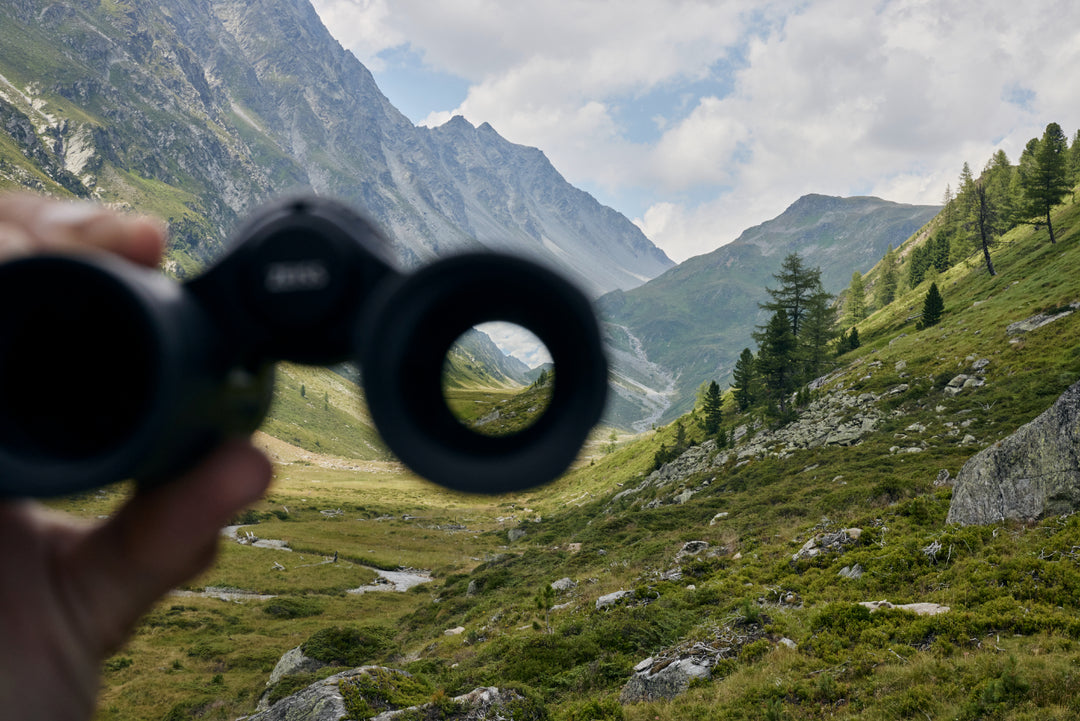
(456, 631)
(1034, 472)
(788, 643)
(900, 365)
(667, 683)
(563, 585)
(942, 478)
(612, 598)
(292, 662)
(322, 700)
(980, 364)
(515, 534)
(968, 439)
(853, 572)
(473, 589)
(922, 609)
(827, 543)
(1038, 320)
(691, 548)
(718, 517)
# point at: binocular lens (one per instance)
(491, 393)
(78, 362)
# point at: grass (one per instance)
(1009, 648)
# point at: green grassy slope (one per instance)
(1009, 648)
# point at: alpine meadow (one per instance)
(838, 476)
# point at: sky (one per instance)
(699, 119)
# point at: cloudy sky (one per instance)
(698, 119)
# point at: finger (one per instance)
(161, 538)
(55, 225)
(14, 241)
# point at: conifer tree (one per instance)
(797, 285)
(933, 307)
(1074, 159)
(887, 280)
(856, 298)
(817, 333)
(712, 408)
(1046, 182)
(775, 359)
(744, 380)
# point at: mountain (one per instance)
(198, 110)
(689, 324)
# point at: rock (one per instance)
(473, 589)
(667, 683)
(1035, 472)
(900, 365)
(292, 662)
(611, 599)
(916, 428)
(456, 631)
(322, 700)
(563, 585)
(980, 364)
(718, 517)
(942, 478)
(968, 439)
(827, 543)
(1038, 320)
(853, 572)
(515, 534)
(956, 384)
(691, 548)
(922, 609)
(789, 643)
(684, 496)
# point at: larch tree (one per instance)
(777, 349)
(1046, 181)
(856, 298)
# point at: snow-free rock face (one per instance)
(1033, 473)
(226, 103)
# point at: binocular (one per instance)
(110, 371)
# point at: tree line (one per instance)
(802, 334)
(977, 214)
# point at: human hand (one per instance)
(71, 591)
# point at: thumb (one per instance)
(162, 537)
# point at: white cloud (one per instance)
(831, 96)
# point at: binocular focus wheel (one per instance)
(412, 326)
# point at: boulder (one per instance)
(611, 599)
(1033, 473)
(515, 534)
(667, 683)
(324, 701)
(563, 585)
(292, 662)
(922, 609)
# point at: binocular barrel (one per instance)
(110, 371)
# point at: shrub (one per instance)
(293, 607)
(350, 646)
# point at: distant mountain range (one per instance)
(688, 325)
(198, 110)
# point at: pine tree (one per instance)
(933, 307)
(744, 380)
(887, 279)
(797, 285)
(1046, 183)
(1074, 159)
(817, 333)
(776, 359)
(856, 298)
(712, 408)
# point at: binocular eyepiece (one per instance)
(110, 371)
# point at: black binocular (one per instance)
(110, 371)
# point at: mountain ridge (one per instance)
(694, 319)
(199, 110)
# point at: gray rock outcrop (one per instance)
(1033, 473)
